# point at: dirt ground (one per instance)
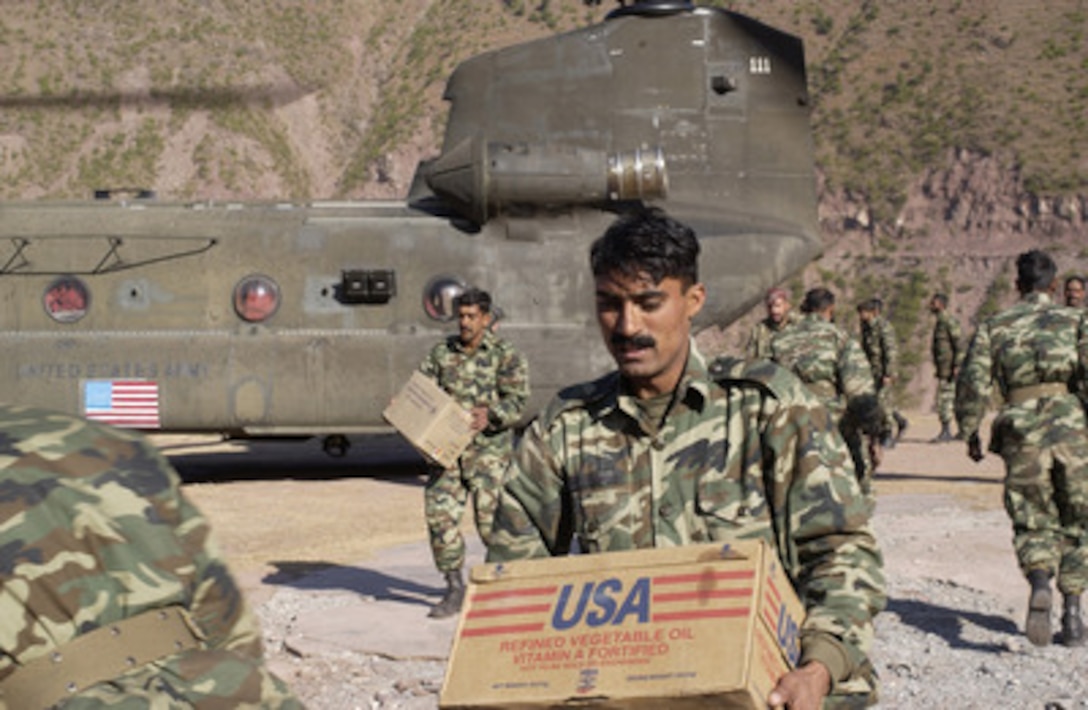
(271, 502)
(296, 525)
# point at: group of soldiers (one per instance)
(854, 381)
(1036, 355)
(115, 596)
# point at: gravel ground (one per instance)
(950, 638)
(940, 644)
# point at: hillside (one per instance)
(949, 134)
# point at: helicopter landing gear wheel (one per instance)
(336, 445)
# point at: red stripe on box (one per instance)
(509, 611)
(775, 596)
(770, 661)
(514, 593)
(697, 595)
(768, 616)
(703, 577)
(700, 614)
(499, 630)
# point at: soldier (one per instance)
(486, 375)
(878, 341)
(1031, 351)
(833, 366)
(779, 317)
(113, 593)
(666, 451)
(947, 351)
(1074, 292)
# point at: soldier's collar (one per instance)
(1040, 297)
(694, 386)
(486, 342)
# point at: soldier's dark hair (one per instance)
(1074, 277)
(817, 300)
(474, 297)
(871, 305)
(647, 242)
(941, 298)
(1035, 271)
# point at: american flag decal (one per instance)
(133, 404)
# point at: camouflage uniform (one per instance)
(947, 354)
(751, 456)
(878, 342)
(835, 369)
(759, 340)
(1042, 438)
(94, 531)
(496, 375)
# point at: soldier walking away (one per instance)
(834, 367)
(486, 375)
(947, 348)
(112, 593)
(780, 316)
(1030, 351)
(878, 341)
(669, 451)
(1074, 292)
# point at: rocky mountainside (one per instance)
(950, 135)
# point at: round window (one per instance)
(439, 295)
(66, 299)
(256, 298)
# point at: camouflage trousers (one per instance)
(857, 443)
(1046, 496)
(478, 474)
(946, 400)
(887, 403)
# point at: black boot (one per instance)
(1072, 626)
(1037, 626)
(901, 423)
(453, 599)
(945, 435)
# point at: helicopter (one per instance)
(295, 319)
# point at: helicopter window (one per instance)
(438, 297)
(256, 298)
(66, 299)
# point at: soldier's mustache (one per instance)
(635, 341)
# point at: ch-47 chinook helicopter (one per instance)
(304, 319)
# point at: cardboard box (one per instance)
(699, 626)
(430, 420)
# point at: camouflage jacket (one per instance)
(495, 375)
(1033, 342)
(878, 341)
(947, 346)
(94, 529)
(831, 364)
(747, 453)
(759, 340)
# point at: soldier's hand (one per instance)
(974, 448)
(802, 688)
(876, 452)
(480, 418)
